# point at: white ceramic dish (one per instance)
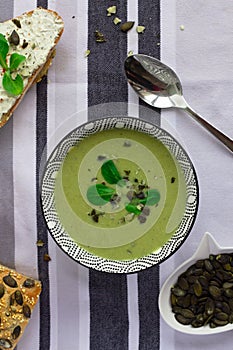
(208, 245)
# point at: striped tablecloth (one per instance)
(82, 309)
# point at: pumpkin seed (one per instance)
(197, 288)
(16, 332)
(208, 265)
(173, 299)
(215, 292)
(196, 324)
(183, 283)
(227, 285)
(222, 316)
(203, 294)
(223, 258)
(177, 309)
(225, 307)
(183, 320)
(125, 27)
(186, 300)
(187, 313)
(209, 307)
(230, 303)
(199, 264)
(203, 281)
(178, 291)
(10, 281)
(228, 292)
(200, 318)
(220, 322)
(230, 319)
(26, 311)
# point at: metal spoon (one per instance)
(159, 86)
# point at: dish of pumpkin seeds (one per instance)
(198, 297)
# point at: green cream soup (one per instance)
(120, 194)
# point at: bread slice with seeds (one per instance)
(19, 295)
(34, 35)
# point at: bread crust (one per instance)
(36, 76)
(18, 296)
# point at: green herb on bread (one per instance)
(13, 85)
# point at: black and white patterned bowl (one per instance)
(62, 238)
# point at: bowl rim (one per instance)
(135, 265)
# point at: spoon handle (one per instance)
(217, 133)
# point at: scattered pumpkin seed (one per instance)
(130, 53)
(140, 29)
(125, 27)
(111, 10)
(116, 20)
(18, 297)
(181, 27)
(47, 257)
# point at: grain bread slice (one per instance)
(39, 32)
(18, 296)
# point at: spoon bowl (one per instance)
(159, 86)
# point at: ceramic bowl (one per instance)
(207, 246)
(72, 243)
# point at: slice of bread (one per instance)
(18, 296)
(38, 31)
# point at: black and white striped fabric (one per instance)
(84, 309)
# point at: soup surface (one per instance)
(120, 194)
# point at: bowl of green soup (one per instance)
(119, 194)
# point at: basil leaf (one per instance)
(132, 208)
(13, 86)
(110, 172)
(4, 48)
(99, 194)
(152, 197)
(15, 61)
